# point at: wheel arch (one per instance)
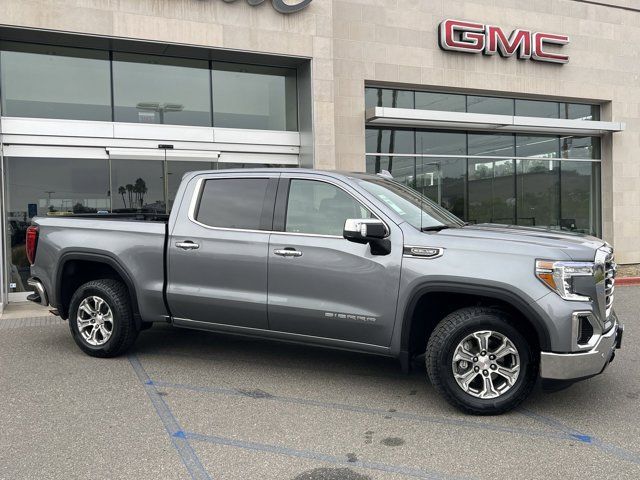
(447, 296)
(87, 266)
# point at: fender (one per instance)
(99, 257)
(497, 290)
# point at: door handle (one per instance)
(287, 252)
(187, 245)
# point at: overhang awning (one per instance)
(412, 118)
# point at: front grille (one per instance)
(609, 281)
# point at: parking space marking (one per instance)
(311, 455)
(577, 435)
(371, 411)
(178, 439)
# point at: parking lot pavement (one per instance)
(187, 404)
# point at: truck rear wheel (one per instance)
(101, 320)
(479, 362)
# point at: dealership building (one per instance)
(522, 112)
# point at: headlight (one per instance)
(558, 276)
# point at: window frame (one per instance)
(282, 205)
(266, 216)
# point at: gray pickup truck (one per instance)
(343, 260)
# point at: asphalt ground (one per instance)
(187, 404)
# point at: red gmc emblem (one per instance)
(471, 37)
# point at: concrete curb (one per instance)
(627, 280)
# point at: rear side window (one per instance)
(233, 203)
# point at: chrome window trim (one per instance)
(197, 192)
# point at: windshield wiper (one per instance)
(434, 228)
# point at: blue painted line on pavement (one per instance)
(178, 438)
(321, 457)
(582, 438)
(619, 452)
(372, 411)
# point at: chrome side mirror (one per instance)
(368, 230)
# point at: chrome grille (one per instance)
(609, 281)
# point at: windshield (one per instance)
(416, 209)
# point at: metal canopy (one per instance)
(408, 117)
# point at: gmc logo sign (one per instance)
(471, 37)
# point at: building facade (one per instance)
(507, 111)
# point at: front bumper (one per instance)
(576, 366)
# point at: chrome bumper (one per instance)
(574, 366)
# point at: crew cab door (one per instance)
(320, 284)
(218, 249)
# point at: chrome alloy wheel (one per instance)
(486, 364)
(95, 321)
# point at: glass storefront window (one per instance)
(164, 90)
(537, 146)
(491, 145)
(176, 170)
(580, 196)
(538, 187)
(447, 102)
(389, 140)
(55, 82)
(403, 169)
(490, 105)
(386, 97)
(464, 172)
(393, 141)
(444, 181)
(45, 186)
(252, 96)
(138, 186)
(491, 191)
(441, 143)
(579, 147)
(537, 108)
(579, 111)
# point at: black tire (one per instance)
(123, 332)
(441, 348)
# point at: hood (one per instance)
(576, 246)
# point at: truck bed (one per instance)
(132, 243)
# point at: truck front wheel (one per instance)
(479, 362)
(100, 318)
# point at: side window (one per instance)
(232, 202)
(320, 208)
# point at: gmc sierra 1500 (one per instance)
(343, 260)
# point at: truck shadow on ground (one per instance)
(335, 365)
